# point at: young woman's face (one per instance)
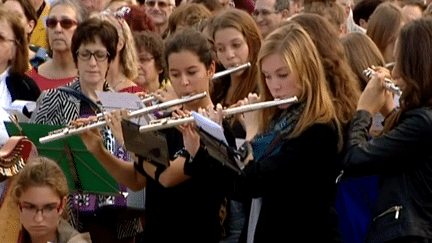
(188, 75)
(40, 209)
(282, 82)
(231, 48)
(92, 62)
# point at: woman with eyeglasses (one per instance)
(152, 65)
(41, 192)
(14, 84)
(94, 47)
(179, 208)
(61, 23)
(28, 16)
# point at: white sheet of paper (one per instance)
(116, 101)
(17, 107)
(209, 126)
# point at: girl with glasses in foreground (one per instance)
(41, 194)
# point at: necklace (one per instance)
(121, 81)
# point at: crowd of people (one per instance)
(347, 162)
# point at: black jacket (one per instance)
(403, 160)
(297, 186)
(22, 87)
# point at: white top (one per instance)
(5, 101)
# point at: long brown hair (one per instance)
(302, 58)
(413, 60)
(384, 24)
(362, 53)
(244, 23)
(343, 83)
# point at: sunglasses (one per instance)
(160, 4)
(263, 12)
(64, 23)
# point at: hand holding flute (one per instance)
(376, 97)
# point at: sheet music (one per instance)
(116, 101)
(209, 126)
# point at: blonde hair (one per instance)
(128, 56)
(299, 53)
(41, 171)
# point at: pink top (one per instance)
(46, 83)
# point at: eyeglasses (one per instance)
(100, 56)
(160, 4)
(145, 59)
(46, 210)
(263, 12)
(4, 39)
(65, 23)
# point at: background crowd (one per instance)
(349, 162)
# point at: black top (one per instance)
(402, 158)
(188, 212)
(22, 87)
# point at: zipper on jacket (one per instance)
(394, 209)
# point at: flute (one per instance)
(231, 70)
(172, 122)
(388, 84)
(70, 131)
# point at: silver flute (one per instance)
(388, 84)
(101, 122)
(231, 70)
(173, 122)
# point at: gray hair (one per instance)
(80, 11)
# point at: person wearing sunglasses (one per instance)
(159, 11)
(268, 14)
(61, 23)
(41, 192)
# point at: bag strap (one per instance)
(81, 96)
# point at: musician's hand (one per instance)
(167, 93)
(213, 113)
(191, 138)
(91, 138)
(250, 119)
(114, 120)
(375, 96)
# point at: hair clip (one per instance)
(121, 13)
